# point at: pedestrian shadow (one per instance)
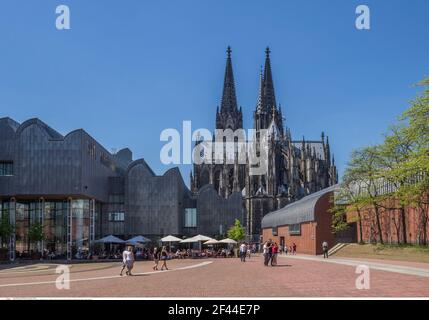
(282, 265)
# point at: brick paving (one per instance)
(213, 278)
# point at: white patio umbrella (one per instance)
(110, 239)
(212, 241)
(200, 237)
(228, 240)
(197, 238)
(170, 239)
(140, 239)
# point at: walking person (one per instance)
(270, 252)
(127, 260)
(156, 255)
(265, 252)
(164, 257)
(275, 252)
(325, 250)
(243, 252)
(294, 248)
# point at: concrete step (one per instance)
(337, 248)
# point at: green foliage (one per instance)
(339, 222)
(402, 161)
(35, 232)
(6, 229)
(236, 232)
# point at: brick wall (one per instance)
(391, 225)
(313, 233)
(305, 242)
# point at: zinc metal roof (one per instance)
(296, 212)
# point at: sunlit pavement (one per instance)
(409, 268)
(298, 276)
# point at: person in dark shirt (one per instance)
(156, 255)
(164, 257)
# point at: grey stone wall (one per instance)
(47, 164)
(153, 204)
(214, 211)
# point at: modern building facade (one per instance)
(295, 168)
(76, 191)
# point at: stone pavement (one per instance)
(297, 276)
(410, 268)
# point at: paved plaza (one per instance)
(294, 276)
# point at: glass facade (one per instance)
(4, 214)
(6, 168)
(52, 217)
(80, 227)
(116, 216)
(27, 214)
(55, 227)
(190, 217)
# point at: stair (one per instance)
(337, 248)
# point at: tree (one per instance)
(417, 166)
(394, 152)
(347, 200)
(393, 175)
(6, 230)
(364, 172)
(35, 233)
(237, 231)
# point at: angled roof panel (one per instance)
(296, 212)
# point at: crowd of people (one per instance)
(158, 254)
(271, 250)
(164, 254)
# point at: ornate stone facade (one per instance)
(295, 168)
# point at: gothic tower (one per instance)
(229, 176)
(229, 116)
(294, 168)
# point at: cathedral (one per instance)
(295, 168)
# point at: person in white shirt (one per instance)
(325, 250)
(127, 260)
(243, 252)
(265, 251)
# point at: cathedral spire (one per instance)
(269, 96)
(229, 99)
(260, 102)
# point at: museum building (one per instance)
(76, 191)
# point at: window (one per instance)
(190, 217)
(6, 168)
(116, 216)
(275, 231)
(295, 229)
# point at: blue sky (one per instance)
(129, 69)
